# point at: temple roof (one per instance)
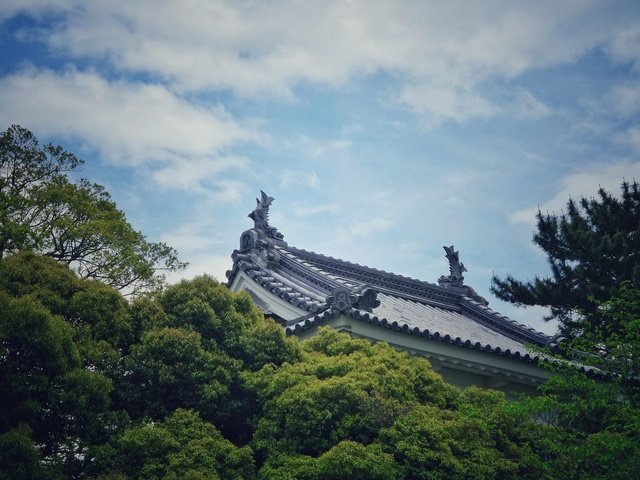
(322, 287)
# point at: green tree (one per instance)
(195, 339)
(352, 409)
(172, 368)
(19, 458)
(599, 409)
(181, 446)
(347, 459)
(480, 437)
(343, 389)
(591, 249)
(589, 410)
(74, 223)
(53, 399)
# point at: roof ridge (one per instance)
(393, 282)
(366, 267)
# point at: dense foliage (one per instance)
(77, 223)
(193, 382)
(93, 385)
(591, 404)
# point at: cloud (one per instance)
(582, 184)
(439, 56)
(190, 173)
(525, 105)
(631, 137)
(131, 124)
(364, 228)
(625, 43)
(314, 210)
(191, 237)
(623, 100)
(289, 178)
(332, 145)
(446, 102)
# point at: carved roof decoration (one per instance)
(325, 287)
(260, 217)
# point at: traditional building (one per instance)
(448, 322)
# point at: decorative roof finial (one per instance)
(260, 217)
(260, 214)
(456, 268)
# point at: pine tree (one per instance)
(591, 249)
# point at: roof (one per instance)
(323, 287)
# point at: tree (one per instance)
(591, 405)
(74, 223)
(589, 410)
(191, 343)
(591, 249)
(54, 403)
(172, 368)
(352, 409)
(347, 459)
(181, 446)
(343, 389)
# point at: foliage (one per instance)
(347, 459)
(343, 389)
(74, 223)
(193, 382)
(181, 446)
(49, 395)
(434, 444)
(591, 249)
(391, 410)
(589, 410)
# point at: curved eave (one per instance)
(405, 328)
(268, 282)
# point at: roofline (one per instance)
(308, 322)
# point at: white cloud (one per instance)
(623, 100)
(582, 184)
(190, 173)
(131, 124)
(364, 228)
(228, 192)
(332, 145)
(191, 237)
(441, 52)
(314, 210)
(631, 137)
(446, 102)
(289, 178)
(525, 105)
(625, 44)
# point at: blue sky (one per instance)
(384, 129)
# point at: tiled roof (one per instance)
(446, 322)
(325, 287)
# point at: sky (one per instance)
(383, 129)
